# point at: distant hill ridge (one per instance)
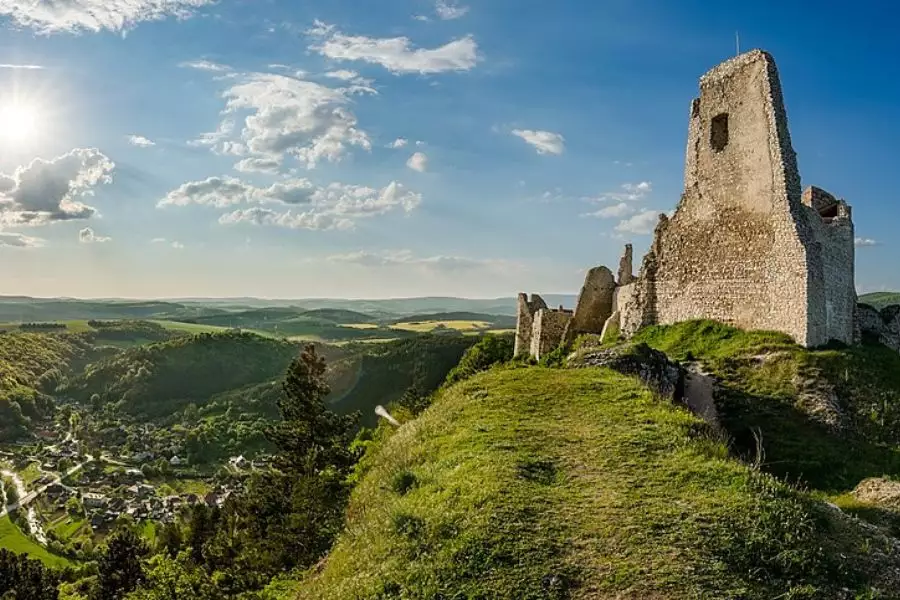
(880, 299)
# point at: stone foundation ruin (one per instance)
(744, 246)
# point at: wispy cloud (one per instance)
(335, 206)
(865, 242)
(87, 236)
(447, 10)
(395, 54)
(18, 240)
(204, 65)
(544, 142)
(407, 259)
(619, 210)
(21, 67)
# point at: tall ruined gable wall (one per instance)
(739, 248)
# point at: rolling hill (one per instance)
(582, 483)
(880, 299)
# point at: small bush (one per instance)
(403, 482)
(409, 526)
(556, 358)
(491, 350)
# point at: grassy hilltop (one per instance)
(880, 299)
(533, 482)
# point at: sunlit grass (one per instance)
(12, 538)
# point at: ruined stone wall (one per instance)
(739, 248)
(548, 330)
(525, 312)
(834, 236)
(883, 325)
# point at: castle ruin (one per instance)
(744, 246)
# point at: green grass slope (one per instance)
(880, 299)
(540, 483)
(827, 417)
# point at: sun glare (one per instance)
(18, 123)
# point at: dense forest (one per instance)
(32, 365)
(154, 380)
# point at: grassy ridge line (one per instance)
(538, 483)
(880, 299)
(772, 387)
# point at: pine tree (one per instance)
(119, 567)
(311, 439)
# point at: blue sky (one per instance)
(275, 148)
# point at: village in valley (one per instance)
(68, 497)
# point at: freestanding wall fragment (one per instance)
(525, 321)
(595, 303)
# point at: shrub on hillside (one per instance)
(491, 350)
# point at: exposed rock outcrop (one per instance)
(640, 360)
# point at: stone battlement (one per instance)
(743, 246)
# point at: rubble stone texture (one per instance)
(525, 321)
(626, 269)
(744, 246)
(547, 330)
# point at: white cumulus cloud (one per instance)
(418, 162)
(398, 143)
(544, 142)
(87, 236)
(284, 116)
(52, 16)
(865, 242)
(396, 54)
(45, 191)
(642, 223)
(140, 141)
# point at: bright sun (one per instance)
(18, 123)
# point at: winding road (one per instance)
(25, 498)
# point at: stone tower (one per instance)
(743, 246)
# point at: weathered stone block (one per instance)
(595, 303)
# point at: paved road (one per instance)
(31, 496)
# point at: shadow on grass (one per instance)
(797, 448)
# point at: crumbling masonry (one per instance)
(744, 246)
